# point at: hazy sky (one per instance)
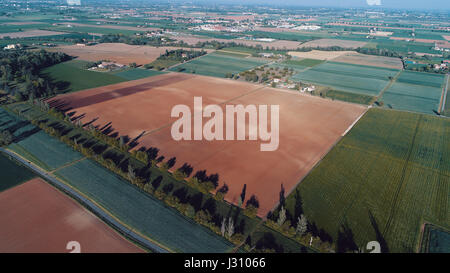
(408, 4)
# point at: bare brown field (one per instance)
(30, 33)
(309, 127)
(334, 42)
(372, 60)
(277, 44)
(151, 99)
(37, 218)
(117, 52)
(319, 55)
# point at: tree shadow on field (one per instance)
(76, 118)
(378, 234)
(134, 142)
(345, 240)
(26, 134)
(115, 157)
(298, 206)
(90, 122)
(59, 105)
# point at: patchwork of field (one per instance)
(30, 33)
(277, 44)
(371, 60)
(139, 210)
(348, 77)
(110, 26)
(117, 52)
(318, 54)
(333, 42)
(415, 91)
(118, 197)
(37, 218)
(390, 173)
(218, 65)
(309, 126)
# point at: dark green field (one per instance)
(12, 173)
(136, 73)
(350, 97)
(390, 173)
(70, 77)
(435, 240)
(304, 62)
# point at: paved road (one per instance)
(131, 235)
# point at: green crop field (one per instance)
(303, 62)
(421, 78)
(415, 91)
(12, 173)
(48, 152)
(348, 77)
(136, 73)
(348, 96)
(404, 46)
(218, 65)
(70, 77)
(141, 211)
(387, 176)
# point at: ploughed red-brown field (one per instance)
(37, 218)
(308, 128)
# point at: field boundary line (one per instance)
(67, 165)
(234, 52)
(101, 213)
(444, 95)
(391, 82)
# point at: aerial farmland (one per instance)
(199, 128)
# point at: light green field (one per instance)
(392, 165)
(348, 77)
(422, 78)
(218, 65)
(415, 91)
(70, 77)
